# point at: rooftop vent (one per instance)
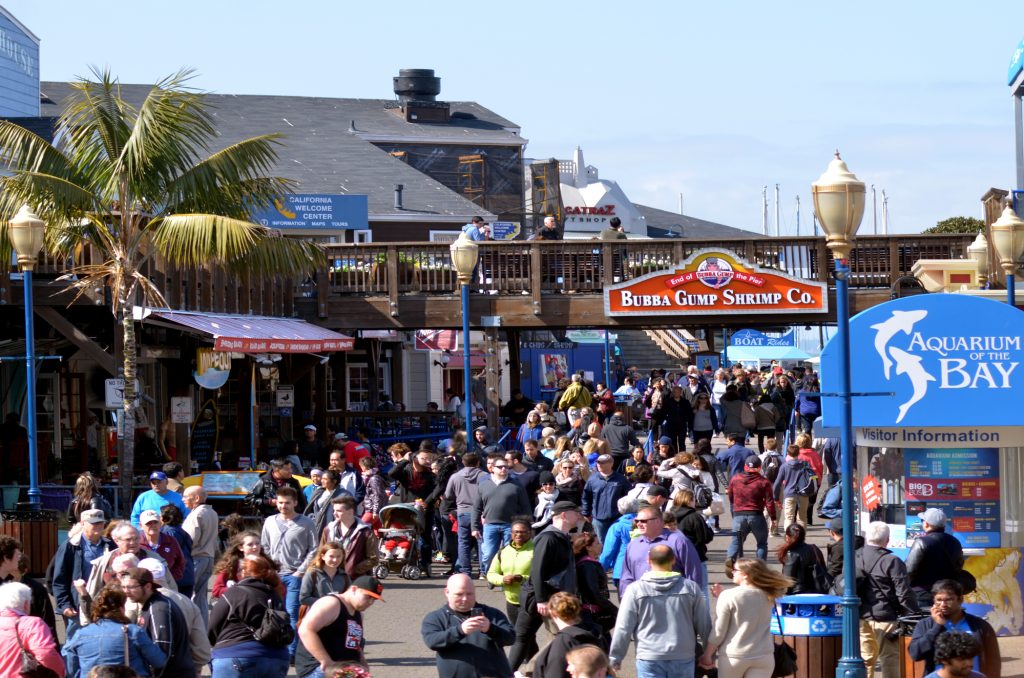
(417, 90)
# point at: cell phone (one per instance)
(476, 612)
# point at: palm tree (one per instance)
(136, 184)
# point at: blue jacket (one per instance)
(68, 565)
(808, 404)
(788, 476)
(615, 542)
(102, 643)
(150, 500)
(733, 458)
(600, 495)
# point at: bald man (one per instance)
(467, 636)
(201, 524)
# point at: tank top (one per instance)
(342, 639)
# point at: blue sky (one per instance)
(713, 100)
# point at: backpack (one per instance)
(702, 495)
(806, 484)
(771, 465)
(832, 504)
(275, 628)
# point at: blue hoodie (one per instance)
(615, 542)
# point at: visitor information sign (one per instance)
(963, 483)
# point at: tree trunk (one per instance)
(126, 463)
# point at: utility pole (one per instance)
(777, 227)
(798, 216)
(764, 210)
(885, 213)
(874, 210)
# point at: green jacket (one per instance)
(576, 395)
(511, 560)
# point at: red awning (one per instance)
(257, 334)
(475, 360)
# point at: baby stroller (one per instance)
(398, 544)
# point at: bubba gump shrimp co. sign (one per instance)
(712, 282)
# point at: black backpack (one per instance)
(772, 464)
(275, 628)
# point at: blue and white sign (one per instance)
(316, 212)
(949, 360)
(1016, 64)
(19, 68)
(755, 338)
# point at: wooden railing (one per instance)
(520, 267)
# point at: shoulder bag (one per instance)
(30, 666)
(127, 657)
(785, 656)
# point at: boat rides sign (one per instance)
(712, 282)
(952, 364)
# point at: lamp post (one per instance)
(1008, 240)
(464, 253)
(839, 205)
(977, 252)
(26, 233)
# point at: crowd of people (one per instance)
(582, 528)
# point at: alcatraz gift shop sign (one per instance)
(711, 282)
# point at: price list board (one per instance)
(963, 483)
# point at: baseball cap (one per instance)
(93, 516)
(752, 462)
(341, 435)
(657, 491)
(561, 507)
(777, 369)
(933, 516)
(547, 477)
(309, 427)
(605, 459)
(664, 440)
(158, 475)
(155, 567)
(480, 429)
(371, 586)
(836, 525)
(148, 517)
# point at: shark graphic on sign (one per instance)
(906, 363)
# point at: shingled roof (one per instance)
(665, 224)
(326, 145)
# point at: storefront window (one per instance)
(359, 385)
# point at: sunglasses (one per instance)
(496, 467)
(644, 521)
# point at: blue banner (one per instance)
(755, 338)
(316, 212)
(931, 360)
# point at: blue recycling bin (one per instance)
(812, 624)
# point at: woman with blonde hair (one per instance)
(565, 610)
(742, 630)
(325, 575)
(563, 446)
(568, 481)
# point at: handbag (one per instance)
(785, 656)
(717, 506)
(30, 666)
(747, 418)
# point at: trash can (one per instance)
(37, 532)
(812, 624)
(908, 667)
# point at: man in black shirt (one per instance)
(162, 620)
(332, 630)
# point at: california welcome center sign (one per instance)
(712, 282)
(933, 371)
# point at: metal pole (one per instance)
(851, 664)
(607, 358)
(34, 496)
(1011, 289)
(467, 381)
(725, 348)
(777, 219)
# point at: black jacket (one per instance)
(167, 627)
(262, 496)
(695, 528)
(550, 662)
(834, 566)
(922, 645)
(883, 585)
(676, 417)
(551, 570)
(799, 565)
(241, 609)
(424, 486)
(478, 655)
(934, 556)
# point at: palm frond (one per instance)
(96, 123)
(191, 240)
(21, 149)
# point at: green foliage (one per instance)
(957, 225)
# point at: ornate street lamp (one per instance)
(1008, 241)
(839, 205)
(977, 251)
(465, 253)
(26, 234)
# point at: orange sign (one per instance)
(871, 492)
(711, 282)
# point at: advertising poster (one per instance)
(554, 367)
(963, 483)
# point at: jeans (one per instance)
(665, 668)
(719, 415)
(291, 604)
(200, 595)
(495, 536)
(742, 525)
(250, 667)
(71, 627)
(464, 563)
(601, 526)
(426, 541)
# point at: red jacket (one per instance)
(752, 492)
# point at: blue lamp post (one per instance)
(464, 253)
(839, 205)
(26, 233)
(1008, 240)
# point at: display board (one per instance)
(229, 482)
